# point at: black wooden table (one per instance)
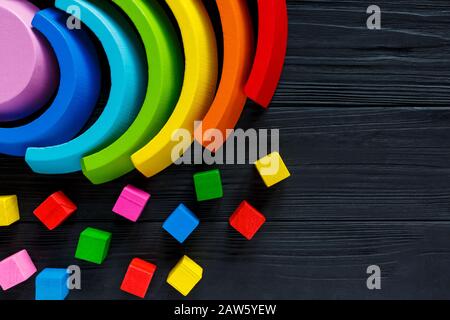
(365, 132)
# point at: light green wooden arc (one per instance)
(165, 74)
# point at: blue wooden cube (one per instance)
(181, 223)
(51, 284)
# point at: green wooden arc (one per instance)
(165, 75)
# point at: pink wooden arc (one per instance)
(28, 69)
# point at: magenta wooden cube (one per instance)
(131, 203)
(16, 269)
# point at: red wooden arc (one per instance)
(270, 51)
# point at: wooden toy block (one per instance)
(272, 169)
(247, 220)
(185, 275)
(138, 277)
(208, 185)
(181, 223)
(51, 284)
(9, 210)
(16, 269)
(55, 210)
(131, 203)
(93, 245)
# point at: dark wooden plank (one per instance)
(334, 60)
(307, 260)
(347, 164)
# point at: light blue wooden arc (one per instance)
(127, 62)
(78, 91)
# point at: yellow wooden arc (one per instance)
(197, 94)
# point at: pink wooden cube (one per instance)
(131, 203)
(16, 269)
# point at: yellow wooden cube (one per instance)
(272, 169)
(185, 275)
(9, 210)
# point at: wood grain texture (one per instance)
(365, 132)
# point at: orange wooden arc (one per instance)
(230, 98)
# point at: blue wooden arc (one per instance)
(78, 89)
(128, 83)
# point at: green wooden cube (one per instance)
(208, 185)
(93, 245)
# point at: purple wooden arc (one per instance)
(28, 69)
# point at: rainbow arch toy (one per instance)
(159, 83)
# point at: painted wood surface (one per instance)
(365, 131)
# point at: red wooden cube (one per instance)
(55, 210)
(138, 277)
(247, 220)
